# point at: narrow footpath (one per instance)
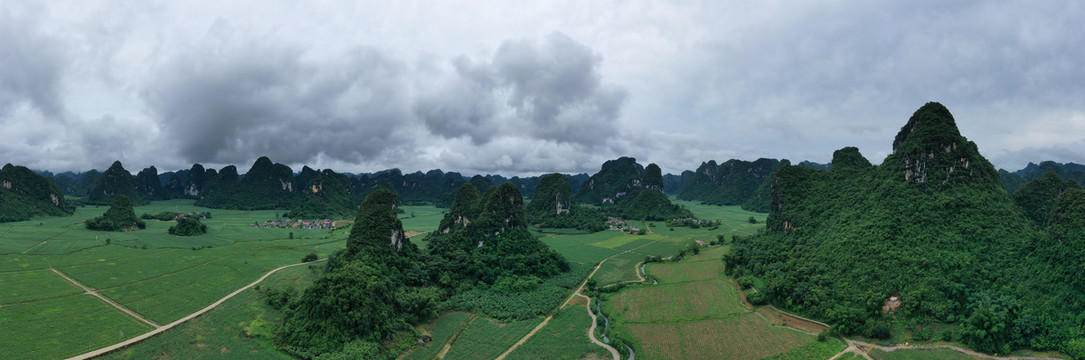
(108, 301)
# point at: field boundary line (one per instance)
(161, 329)
(447, 346)
(108, 301)
(43, 241)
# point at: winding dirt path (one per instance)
(591, 330)
(161, 329)
(567, 300)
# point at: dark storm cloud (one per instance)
(550, 89)
(32, 65)
(236, 100)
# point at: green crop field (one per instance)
(675, 302)
(564, 337)
(441, 330)
(421, 218)
(160, 276)
(694, 310)
(620, 268)
(486, 339)
(24, 286)
(921, 354)
(237, 329)
(62, 327)
(744, 336)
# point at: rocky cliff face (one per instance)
(930, 152)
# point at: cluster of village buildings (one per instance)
(281, 223)
(688, 221)
(197, 215)
(620, 225)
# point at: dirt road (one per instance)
(180, 321)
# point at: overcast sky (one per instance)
(524, 88)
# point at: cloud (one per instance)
(33, 66)
(229, 100)
(548, 89)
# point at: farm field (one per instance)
(442, 329)
(237, 329)
(694, 312)
(157, 275)
(62, 327)
(485, 339)
(920, 354)
(564, 337)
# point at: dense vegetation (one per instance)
(113, 182)
(730, 183)
(553, 207)
(119, 217)
(265, 186)
(381, 284)
(493, 246)
(1037, 197)
(188, 226)
(932, 225)
(327, 195)
(24, 194)
(622, 188)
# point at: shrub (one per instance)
(310, 257)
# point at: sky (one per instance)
(526, 88)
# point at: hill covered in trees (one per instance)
(730, 183)
(24, 194)
(623, 188)
(933, 225)
(120, 217)
(553, 207)
(266, 185)
(326, 195)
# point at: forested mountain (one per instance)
(1037, 197)
(1067, 171)
(24, 194)
(625, 189)
(730, 183)
(371, 289)
(553, 207)
(1011, 181)
(77, 184)
(265, 186)
(149, 186)
(325, 196)
(486, 239)
(115, 181)
(615, 179)
(761, 199)
(931, 225)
